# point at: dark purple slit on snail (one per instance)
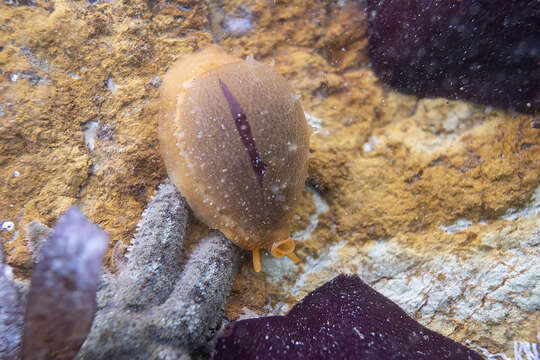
(244, 130)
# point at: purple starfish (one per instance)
(343, 319)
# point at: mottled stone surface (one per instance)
(430, 201)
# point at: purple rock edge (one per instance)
(343, 319)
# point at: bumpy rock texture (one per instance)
(432, 202)
(343, 319)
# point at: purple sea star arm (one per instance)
(343, 319)
(62, 299)
(491, 59)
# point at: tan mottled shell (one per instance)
(206, 158)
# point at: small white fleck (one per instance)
(314, 122)
(237, 25)
(250, 59)
(458, 226)
(292, 147)
(111, 85)
(16, 173)
(8, 225)
(371, 144)
(360, 335)
(90, 134)
(155, 81)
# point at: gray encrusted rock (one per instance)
(151, 309)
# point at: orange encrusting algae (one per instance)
(235, 142)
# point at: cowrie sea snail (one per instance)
(235, 142)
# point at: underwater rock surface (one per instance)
(482, 51)
(430, 201)
(343, 319)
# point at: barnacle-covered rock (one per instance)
(343, 319)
